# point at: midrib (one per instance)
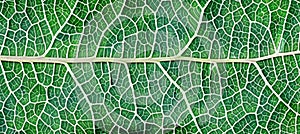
(135, 60)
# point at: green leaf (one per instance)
(131, 66)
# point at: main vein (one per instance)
(134, 60)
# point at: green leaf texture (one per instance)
(149, 66)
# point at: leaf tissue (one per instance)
(149, 66)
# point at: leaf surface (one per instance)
(130, 66)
